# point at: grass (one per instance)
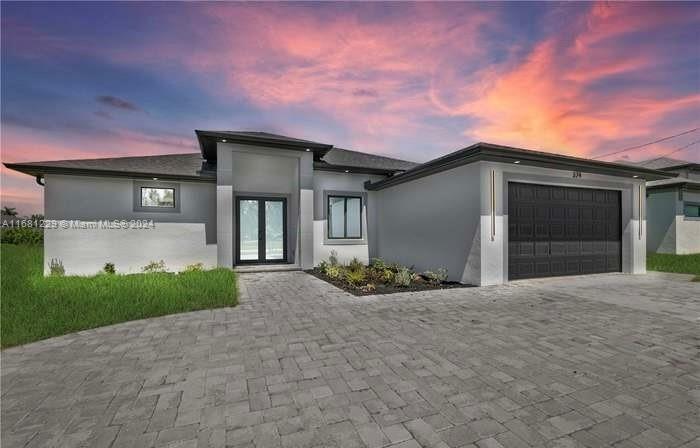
(35, 307)
(685, 264)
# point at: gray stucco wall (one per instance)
(178, 238)
(661, 212)
(432, 222)
(449, 220)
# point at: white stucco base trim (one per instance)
(346, 252)
(85, 251)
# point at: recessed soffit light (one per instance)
(517, 161)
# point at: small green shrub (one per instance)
(323, 266)
(403, 277)
(56, 268)
(194, 267)
(356, 265)
(333, 258)
(109, 268)
(355, 278)
(22, 235)
(378, 264)
(154, 267)
(436, 278)
(334, 272)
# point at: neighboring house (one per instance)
(674, 207)
(487, 213)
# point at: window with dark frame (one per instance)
(157, 197)
(344, 217)
(691, 210)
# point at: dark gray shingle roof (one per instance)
(349, 158)
(173, 166)
(657, 163)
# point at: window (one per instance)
(344, 217)
(691, 210)
(157, 197)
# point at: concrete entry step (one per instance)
(267, 268)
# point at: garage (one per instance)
(555, 231)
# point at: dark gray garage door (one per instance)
(562, 231)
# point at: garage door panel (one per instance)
(562, 230)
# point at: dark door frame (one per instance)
(261, 229)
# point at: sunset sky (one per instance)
(413, 81)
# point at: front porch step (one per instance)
(267, 268)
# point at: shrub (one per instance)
(356, 265)
(323, 266)
(334, 271)
(378, 264)
(355, 278)
(333, 258)
(403, 277)
(436, 278)
(109, 268)
(22, 235)
(194, 267)
(154, 266)
(56, 268)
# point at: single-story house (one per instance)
(487, 213)
(674, 207)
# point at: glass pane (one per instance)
(248, 230)
(692, 210)
(274, 230)
(354, 223)
(336, 217)
(157, 197)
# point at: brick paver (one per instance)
(302, 364)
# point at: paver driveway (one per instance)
(300, 363)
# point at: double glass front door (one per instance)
(261, 230)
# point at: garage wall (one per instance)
(433, 222)
(178, 238)
(495, 252)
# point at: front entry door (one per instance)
(261, 235)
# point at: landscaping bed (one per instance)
(380, 277)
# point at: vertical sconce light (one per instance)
(641, 211)
(493, 205)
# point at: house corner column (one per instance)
(306, 212)
(492, 227)
(638, 256)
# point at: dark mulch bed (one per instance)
(385, 289)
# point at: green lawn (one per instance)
(685, 264)
(33, 307)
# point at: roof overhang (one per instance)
(40, 170)
(324, 166)
(209, 139)
(496, 153)
(684, 166)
